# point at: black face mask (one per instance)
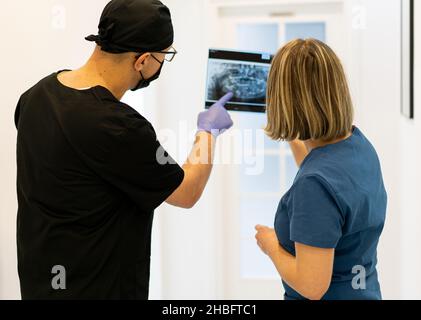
(144, 83)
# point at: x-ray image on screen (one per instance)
(247, 82)
(243, 74)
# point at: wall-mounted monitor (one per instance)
(244, 74)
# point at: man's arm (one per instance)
(198, 167)
(299, 150)
(197, 170)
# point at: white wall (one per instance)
(374, 58)
(190, 258)
(189, 261)
(411, 184)
(373, 66)
(39, 43)
(31, 48)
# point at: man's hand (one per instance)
(216, 120)
(267, 240)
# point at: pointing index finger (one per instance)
(226, 98)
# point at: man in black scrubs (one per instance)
(90, 168)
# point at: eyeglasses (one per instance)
(169, 55)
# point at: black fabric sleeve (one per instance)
(17, 114)
(18, 111)
(19, 106)
(135, 162)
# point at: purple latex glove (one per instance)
(216, 120)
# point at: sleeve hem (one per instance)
(314, 243)
(170, 190)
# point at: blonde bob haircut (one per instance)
(308, 97)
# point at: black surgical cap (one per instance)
(134, 26)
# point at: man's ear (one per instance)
(140, 62)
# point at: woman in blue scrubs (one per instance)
(328, 225)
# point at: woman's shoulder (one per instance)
(343, 166)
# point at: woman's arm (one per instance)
(309, 273)
(299, 150)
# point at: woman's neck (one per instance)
(313, 144)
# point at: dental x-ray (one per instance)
(242, 73)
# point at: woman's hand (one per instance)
(267, 240)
